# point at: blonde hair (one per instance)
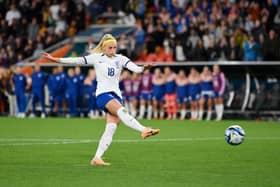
(104, 40)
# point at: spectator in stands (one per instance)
(270, 10)
(123, 45)
(235, 52)
(109, 16)
(179, 52)
(251, 49)
(271, 47)
(199, 53)
(72, 30)
(164, 15)
(54, 10)
(12, 15)
(277, 18)
(139, 35)
(3, 59)
(38, 50)
(223, 50)
(60, 26)
(33, 29)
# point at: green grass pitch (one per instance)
(56, 153)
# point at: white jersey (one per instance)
(108, 70)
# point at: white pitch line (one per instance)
(27, 141)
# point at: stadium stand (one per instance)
(164, 31)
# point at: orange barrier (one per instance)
(57, 53)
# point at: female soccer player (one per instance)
(182, 82)
(108, 66)
(207, 93)
(89, 89)
(170, 93)
(71, 92)
(146, 95)
(135, 96)
(158, 93)
(194, 92)
(219, 84)
(127, 89)
(20, 84)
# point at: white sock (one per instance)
(174, 116)
(96, 114)
(129, 120)
(217, 111)
(142, 111)
(221, 111)
(183, 113)
(133, 112)
(131, 109)
(155, 113)
(150, 112)
(200, 114)
(161, 114)
(192, 114)
(195, 113)
(106, 139)
(209, 114)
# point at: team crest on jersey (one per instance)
(118, 64)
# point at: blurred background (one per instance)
(241, 36)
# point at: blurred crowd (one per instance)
(29, 26)
(166, 30)
(203, 30)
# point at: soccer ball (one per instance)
(234, 135)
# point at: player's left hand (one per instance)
(148, 66)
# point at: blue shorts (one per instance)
(182, 100)
(126, 98)
(104, 98)
(146, 96)
(133, 98)
(158, 98)
(206, 94)
(195, 97)
(217, 94)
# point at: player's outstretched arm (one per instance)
(138, 69)
(75, 60)
(50, 57)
